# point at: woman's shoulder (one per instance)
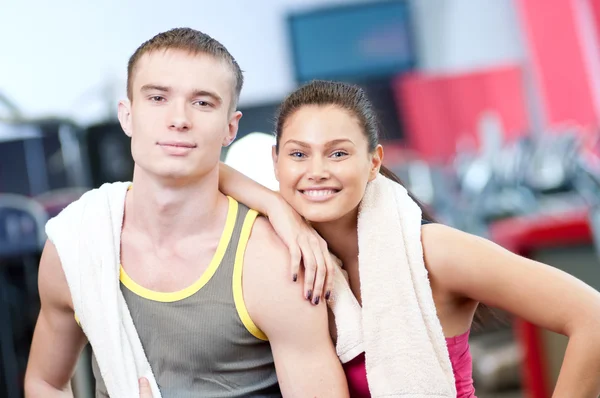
(443, 246)
(450, 253)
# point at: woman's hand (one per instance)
(145, 390)
(307, 247)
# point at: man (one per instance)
(203, 323)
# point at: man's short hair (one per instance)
(191, 40)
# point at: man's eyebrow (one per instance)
(195, 93)
(155, 87)
(205, 93)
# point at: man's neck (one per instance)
(170, 212)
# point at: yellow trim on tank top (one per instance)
(238, 294)
(169, 297)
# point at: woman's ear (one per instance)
(376, 161)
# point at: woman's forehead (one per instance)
(320, 124)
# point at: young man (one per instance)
(205, 329)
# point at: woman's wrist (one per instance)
(274, 203)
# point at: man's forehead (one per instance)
(177, 66)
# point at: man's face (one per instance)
(180, 113)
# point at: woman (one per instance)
(326, 154)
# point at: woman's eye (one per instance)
(297, 154)
(339, 154)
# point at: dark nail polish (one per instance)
(327, 295)
(309, 295)
(295, 277)
(317, 300)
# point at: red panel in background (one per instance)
(499, 90)
(558, 61)
(595, 7)
(505, 93)
(425, 116)
(440, 110)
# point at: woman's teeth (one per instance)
(320, 192)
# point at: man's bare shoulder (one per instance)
(264, 245)
(267, 267)
(263, 231)
(269, 292)
(53, 287)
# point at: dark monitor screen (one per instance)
(21, 158)
(109, 153)
(31, 158)
(352, 41)
(14, 177)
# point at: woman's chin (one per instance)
(321, 216)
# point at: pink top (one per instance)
(460, 357)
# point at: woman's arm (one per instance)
(304, 243)
(246, 190)
(478, 269)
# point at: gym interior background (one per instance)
(490, 111)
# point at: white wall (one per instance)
(460, 35)
(62, 58)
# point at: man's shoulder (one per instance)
(94, 195)
(264, 240)
(91, 204)
(266, 260)
(269, 291)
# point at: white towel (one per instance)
(87, 236)
(405, 349)
(348, 319)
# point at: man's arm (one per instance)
(57, 340)
(305, 358)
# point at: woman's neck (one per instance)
(341, 236)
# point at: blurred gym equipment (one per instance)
(538, 196)
(22, 237)
(40, 156)
(108, 150)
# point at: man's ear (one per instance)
(234, 123)
(124, 115)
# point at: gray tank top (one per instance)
(200, 341)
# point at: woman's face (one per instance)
(324, 164)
